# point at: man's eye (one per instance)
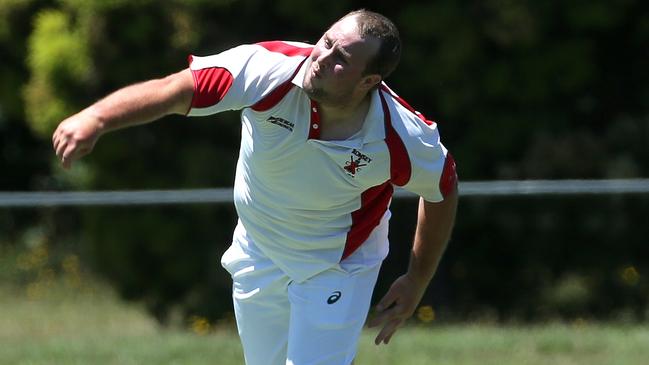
(327, 43)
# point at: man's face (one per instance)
(336, 64)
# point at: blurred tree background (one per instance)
(520, 89)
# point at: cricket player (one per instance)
(324, 142)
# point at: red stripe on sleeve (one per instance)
(448, 181)
(210, 86)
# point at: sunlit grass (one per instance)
(547, 344)
(55, 314)
(90, 325)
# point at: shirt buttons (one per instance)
(315, 126)
(314, 110)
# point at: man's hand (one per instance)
(75, 137)
(434, 225)
(398, 304)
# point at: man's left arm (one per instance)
(434, 225)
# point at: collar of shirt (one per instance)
(374, 124)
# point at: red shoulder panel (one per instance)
(285, 48)
(400, 168)
(210, 86)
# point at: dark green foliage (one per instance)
(541, 257)
(168, 256)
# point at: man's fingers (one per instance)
(55, 145)
(388, 330)
(383, 317)
(387, 308)
(388, 299)
(60, 148)
(55, 138)
(59, 144)
(69, 154)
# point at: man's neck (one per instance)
(341, 122)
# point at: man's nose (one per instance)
(324, 59)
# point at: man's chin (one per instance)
(313, 93)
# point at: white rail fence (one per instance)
(224, 195)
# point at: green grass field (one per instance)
(63, 324)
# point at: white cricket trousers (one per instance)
(282, 322)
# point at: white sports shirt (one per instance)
(307, 203)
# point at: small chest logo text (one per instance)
(356, 162)
(281, 122)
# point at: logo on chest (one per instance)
(357, 161)
(281, 122)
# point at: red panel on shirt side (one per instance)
(273, 98)
(210, 86)
(400, 168)
(448, 181)
(285, 48)
(374, 203)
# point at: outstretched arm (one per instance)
(137, 104)
(434, 226)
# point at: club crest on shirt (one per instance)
(356, 162)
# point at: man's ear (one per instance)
(370, 81)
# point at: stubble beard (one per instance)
(315, 93)
(321, 96)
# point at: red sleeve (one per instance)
(448, 180)
(210, 85)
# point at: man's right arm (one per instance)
(137, 104)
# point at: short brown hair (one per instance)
(380, 27)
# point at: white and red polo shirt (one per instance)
(308, 203)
